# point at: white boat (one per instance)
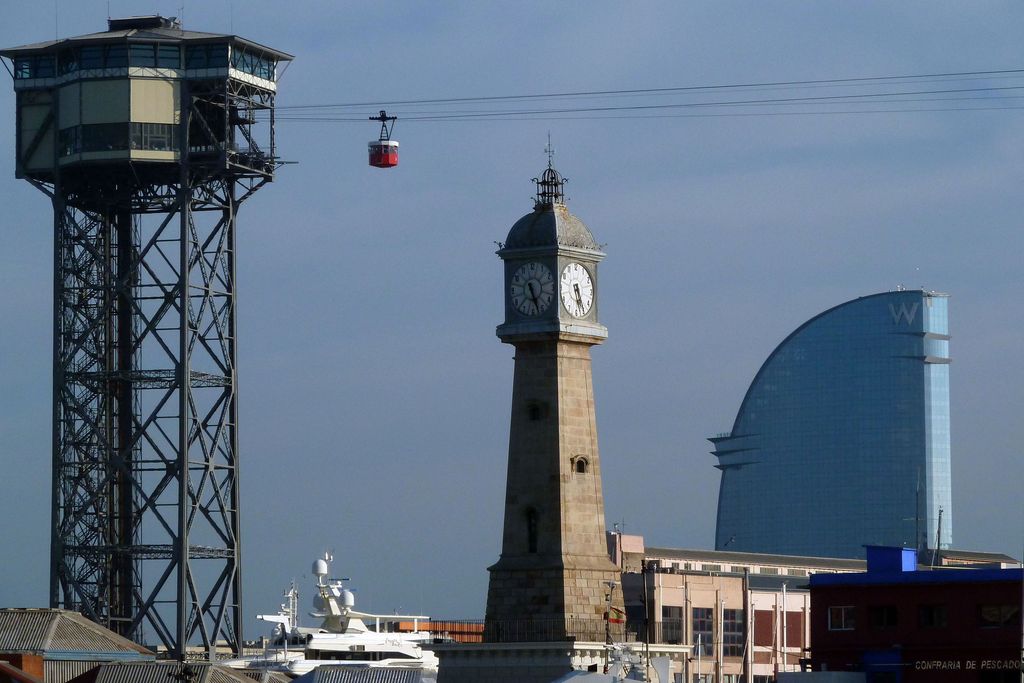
(345, 636)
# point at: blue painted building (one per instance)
(842, 439)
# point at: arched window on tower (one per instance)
(531, 530)
(580, 465)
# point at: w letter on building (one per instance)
(904, 312)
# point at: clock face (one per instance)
(577, 290)
(533, 288)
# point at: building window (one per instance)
(168, 57)
(155, 136)
(67, 61)
(23, 67)
(671, 624)
(69, 141)
(251, 63)
(34, 67)
(883, 616)
(91, 57)
(96, 137)
(580, 465)
(998, 616)
(142, 55)
(768, 570)
(931, 616)
(702, 634)
(44, 66)
(104, 137)
(206, 56)
(732, 633)
(841, 618)
(711, 567)
(116, 57)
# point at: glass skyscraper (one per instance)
(842, 439)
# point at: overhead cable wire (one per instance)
(909, 97)
(427, 115)
(695, 116)
(662, 91)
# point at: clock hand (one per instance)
(533, 295)
(579, 299)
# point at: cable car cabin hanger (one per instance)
(384, 150)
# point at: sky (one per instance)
(374, 395)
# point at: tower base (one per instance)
(552, 603)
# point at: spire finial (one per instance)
(550, 184)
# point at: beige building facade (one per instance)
(744, 617)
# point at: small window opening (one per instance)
(580, 466)
(531, 530)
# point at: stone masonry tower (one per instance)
(554, 580)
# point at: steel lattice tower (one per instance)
(147, 139)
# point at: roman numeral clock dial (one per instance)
(577, 290)
(533, 288)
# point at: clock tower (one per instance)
(554, 579)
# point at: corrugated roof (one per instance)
(362, 674)
(55, 632)
(164, 672)
(267, 676)
(25, 630)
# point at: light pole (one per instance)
(608, 622)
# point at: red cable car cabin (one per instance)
(383, 153)
(384, 150)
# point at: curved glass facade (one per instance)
(842, 439)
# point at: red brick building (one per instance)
(899, 624)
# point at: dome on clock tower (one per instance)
(550, 223)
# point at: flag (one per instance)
(615, 616)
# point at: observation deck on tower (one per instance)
(118, 96)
